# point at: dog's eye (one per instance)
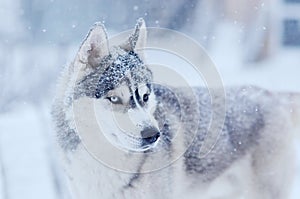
(114, 99)
(146, 97)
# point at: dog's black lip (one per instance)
(147, 142)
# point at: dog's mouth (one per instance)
(138, 144)
(150, 141)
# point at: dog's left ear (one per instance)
(137, 40)
(94, 47)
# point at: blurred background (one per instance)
(251, 41)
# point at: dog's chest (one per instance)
(92, 179)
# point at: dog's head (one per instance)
(119, 83)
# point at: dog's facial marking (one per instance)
(119, 67)
(124, 95)
(132, 103)
(142, 94)
(124, 66)
(137, 96)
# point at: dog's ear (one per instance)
(94, 47)
(137, 40)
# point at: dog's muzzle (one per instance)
(149, 136)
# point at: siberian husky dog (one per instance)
(252, 157)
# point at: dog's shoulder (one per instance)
(245, 116)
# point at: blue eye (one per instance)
(114, 100)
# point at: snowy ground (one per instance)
(28, 163)
(28, 160)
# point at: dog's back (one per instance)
(256, 141)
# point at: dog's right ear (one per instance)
(137, 40)
(94, 47)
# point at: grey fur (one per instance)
(243, 124)
(241, 131)
(67, 137)
(252, 129)
(118, 67)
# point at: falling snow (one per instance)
(27, 154)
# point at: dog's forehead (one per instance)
(126, 67)
(124, 61)
(122, 91)
(124, 87)
(119, 67)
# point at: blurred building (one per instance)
(290, 17)
(266, 26)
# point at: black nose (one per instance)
(149, 135)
